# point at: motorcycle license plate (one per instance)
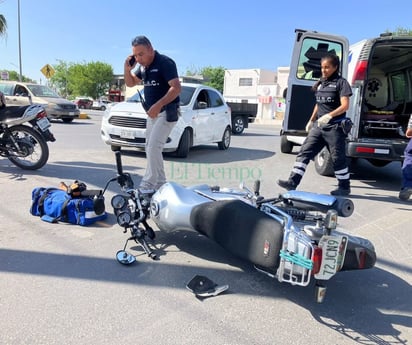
(333, 255)
(43, 123)
(127, 134)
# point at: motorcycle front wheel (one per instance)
(31, 151)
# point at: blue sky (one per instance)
(196, 34)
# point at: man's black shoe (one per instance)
(341, 192)
(405, 193)
(287, 184)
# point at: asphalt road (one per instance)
(61, 284)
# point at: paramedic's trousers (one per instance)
(407, 167)
(331, 136)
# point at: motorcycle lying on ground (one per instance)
(25, 146)
(292, 237)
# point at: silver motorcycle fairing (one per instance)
(218, 193)
(172, 204)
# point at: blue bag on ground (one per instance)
(53, 205)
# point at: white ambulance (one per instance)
(380, 72)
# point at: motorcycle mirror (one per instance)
(243, 186)
(125, 258)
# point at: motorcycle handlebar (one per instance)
(256, 187)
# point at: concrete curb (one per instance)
(83, 116)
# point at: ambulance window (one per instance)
(312, 52)
(398, 82)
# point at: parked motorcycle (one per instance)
(25, 146)
(292, 237)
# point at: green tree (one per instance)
(400, 31)
(13, 75)
(87, 79)
(60, 78)
(214, 77)
(3, 25)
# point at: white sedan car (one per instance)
(205, 119)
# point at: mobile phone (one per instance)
(132, 61)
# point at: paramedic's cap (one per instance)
(141, 41)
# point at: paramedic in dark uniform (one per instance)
(2, 100)
(326, 127)
(160, 79)
(406, 189)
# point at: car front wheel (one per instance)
(285, 145)
(184, 144)
(225, 143)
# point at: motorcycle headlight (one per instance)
(331, 220)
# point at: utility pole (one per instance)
(18, 21)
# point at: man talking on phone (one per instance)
(158, 73)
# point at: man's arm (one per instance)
(171, 94)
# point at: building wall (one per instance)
(265, 88)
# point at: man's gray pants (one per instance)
(157, 132)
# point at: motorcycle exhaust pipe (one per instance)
(320, 292)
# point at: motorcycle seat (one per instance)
(12, 112)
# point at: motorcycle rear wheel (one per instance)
(33, 152)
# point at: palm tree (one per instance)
(3, 25)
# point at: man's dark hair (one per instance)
(141, 41)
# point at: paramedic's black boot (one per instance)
(342, 190)
(287, 184)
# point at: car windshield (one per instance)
(7, 89)
(186, 94)
(42, 91)
(135, 98)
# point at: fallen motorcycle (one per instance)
(25, 146)
(292, 237)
